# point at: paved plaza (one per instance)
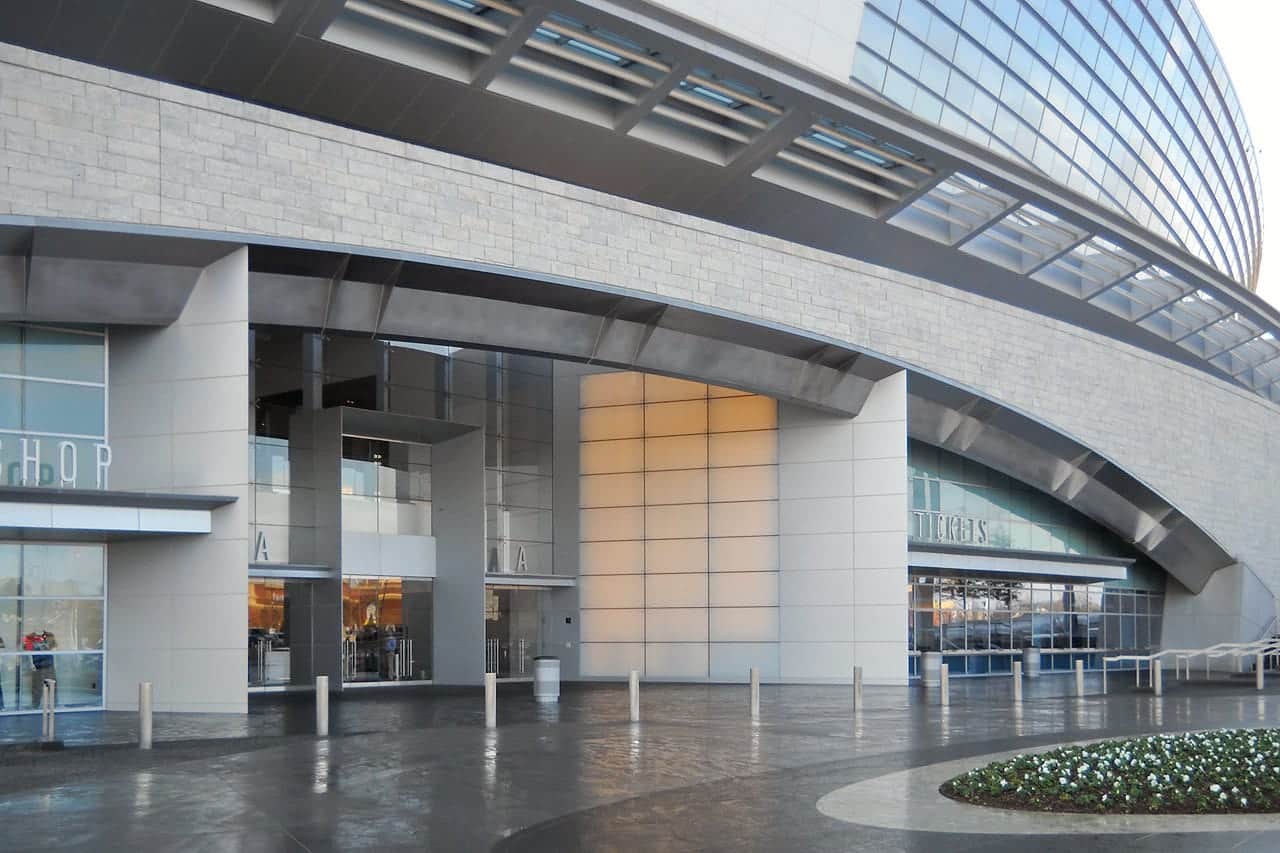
(416, 770)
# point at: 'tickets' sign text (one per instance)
(952, 529)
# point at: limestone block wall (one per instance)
(85, 143)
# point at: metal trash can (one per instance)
(931, 669)
(546, 678)
(1030, 663)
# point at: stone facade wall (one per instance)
(82, 142)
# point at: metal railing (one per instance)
(1267, 648)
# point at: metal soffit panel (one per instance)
(674, 114)
(83, 275)
(572, 323)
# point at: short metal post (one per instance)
(633, 687)
(857, 688)
(48, 700)
(491, 700)
(1079, 678)
(945, 683)
(1157, 680)
(1017, 682)
(144, 715)
(755, 694)
(322, 706)
(1104, 675)
(1261, 670)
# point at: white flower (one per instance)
(1215, 788)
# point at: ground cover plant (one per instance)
(1234, 770)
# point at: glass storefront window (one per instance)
(52, 604)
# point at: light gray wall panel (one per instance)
(457, 516)
(190, 594)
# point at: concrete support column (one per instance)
(843, 540)
(457, 518)
(179, 423)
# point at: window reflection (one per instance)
(998, 617)
(1093, 96)
(51, 624)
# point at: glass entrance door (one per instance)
(386, 629)
(513, 629)
(280, 614)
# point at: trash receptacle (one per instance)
(1031, 663)
(546, 678)
(931, 669)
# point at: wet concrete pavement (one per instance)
(416, 770)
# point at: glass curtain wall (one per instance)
(53, 394)
(511, 396)
(52, 604)
(508, 395)
(386, 487)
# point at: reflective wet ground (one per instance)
(416, 770)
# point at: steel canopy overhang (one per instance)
(34, 512)
(76, 275)
(1002, 561)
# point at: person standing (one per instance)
(41, 664)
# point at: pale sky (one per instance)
(1244, 31)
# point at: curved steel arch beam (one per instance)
(643, 332)
(1035, 453)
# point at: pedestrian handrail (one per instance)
(1265, 647)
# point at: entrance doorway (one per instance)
(280, 613)
(513, 617)
(386, 629)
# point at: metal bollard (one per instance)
(48, 701)
(1080, 678)
(755, 694)
(144, 715)
(1104, 676)
(1017, 682)
(945, 683)
(634, 688)
(1261, 668)
(857, 688)
(322, 706)
(491, 700)
(1157, 680)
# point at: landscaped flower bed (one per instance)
(1235, 770)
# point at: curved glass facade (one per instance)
(1125, 102)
